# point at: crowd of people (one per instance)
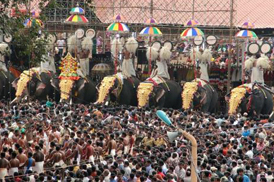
(61, 142)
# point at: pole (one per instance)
(194, 64)
(230, 46)
(149, 62)
(243, 62)
(193, 7)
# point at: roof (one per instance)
(208, 12)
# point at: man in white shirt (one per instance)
(249, 153)
(180, 171)
(61, 43)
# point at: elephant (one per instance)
(199, 95)
(81, 91)
(35, 85)
(253, 99)
(118, 89)
(165, 94)
(6, 89)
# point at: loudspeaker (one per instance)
(172, 135)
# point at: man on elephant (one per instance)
(84, 55)
(128, 70)
(257, 66)
(4, 51)
(161, 64)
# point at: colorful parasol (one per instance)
(76, 19)
(150, 21)
(151, 31)
(192, 32)
(32, 22)
(191, 23)
(118, 18)
(77, 11)
(118, 27)
(248, 25)
(246, 34)
(35, 14)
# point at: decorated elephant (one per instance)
(34, 84)
(6, 77)
(251, 98)
(118, 89)
(199, 95)
(82, 90)
(6, 89)
(161, 93)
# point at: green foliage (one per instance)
(28, 45)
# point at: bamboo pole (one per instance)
(230, 46)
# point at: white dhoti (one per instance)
(59, 164)
(84, 65)
(3, 66)
(162, 69)
(91, 159)
(13, 170)
(126, 149)
(113, 152)
(39, 167)
(3, 173)
(128, 68)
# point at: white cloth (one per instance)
(48, 64)
(181, 173)
(126, 149)
(128, 68)
(112, 152)
(84, 65)
(13, 170)
(162, 69)
(249, 154)
(3, 173)
(204, 72)
(39, 167)
(91, 159)
(2, 64)
(257, 75)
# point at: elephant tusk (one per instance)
(14, 100)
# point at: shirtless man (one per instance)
(39, 160)
(111, 147)
(21, 157)
(4, 165)
(89, 152)
(14, 164)
(57, 158)
(126, 143)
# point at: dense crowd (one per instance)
(60, 142)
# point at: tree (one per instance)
(29, 44)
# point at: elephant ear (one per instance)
(159, 94)
(14, 83)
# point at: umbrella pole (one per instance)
(149, 64)
(194, 64)
(243, 61)
(116, 57)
